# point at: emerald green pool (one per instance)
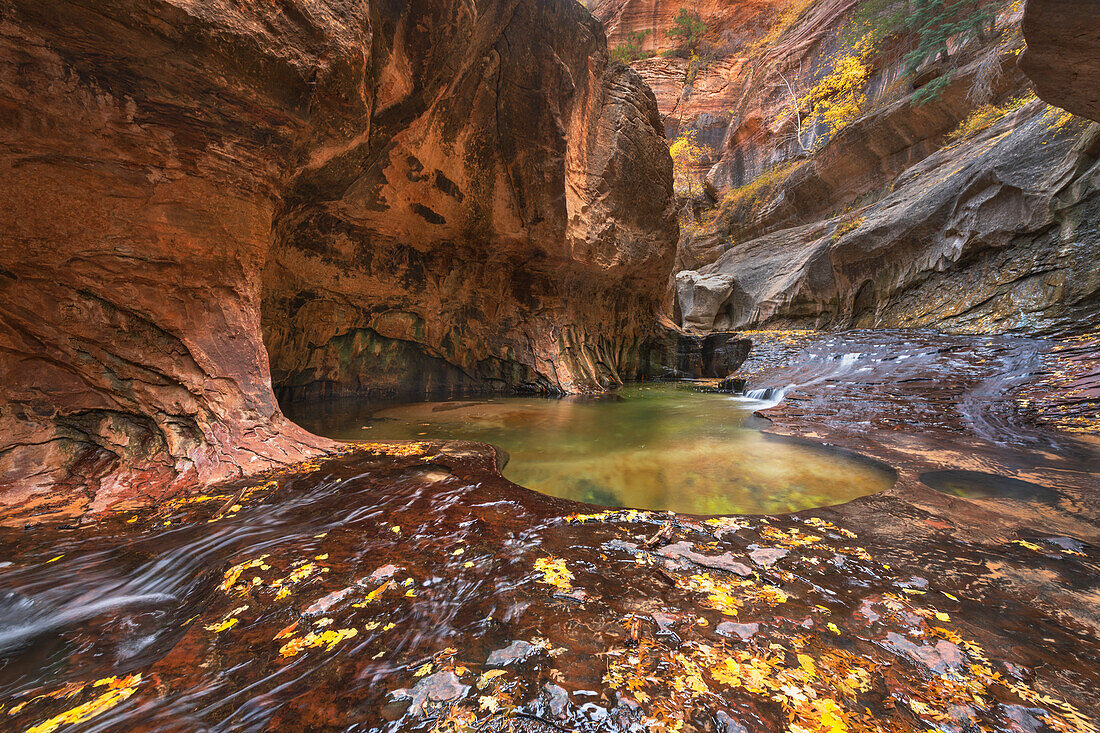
(660, 446)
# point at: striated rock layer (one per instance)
(412, 194)
(994, 234)
(970, 211)
(506, 222)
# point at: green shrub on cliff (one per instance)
(631, 50)
(687, 31)
(934, 27)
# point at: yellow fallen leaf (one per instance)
(117, 691)
(288, 631)
(941, 616)
(223, 626)
(806, 662)
(423, 670)
(235, 572)
(54, 559)
(396, 529)
(377, 592)
(488, 677)
(328, 639)
(832, 716)
(555, 573)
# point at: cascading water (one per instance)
(817, 368)
(763, 398)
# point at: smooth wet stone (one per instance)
(666, 621)
(768, 556)
(727, 724)
(617, 545)
(1024, 719)
(437, 688)
(384, 573)
(939, 658)
(557, 699)
(867, 610)
(915, 582)
(577, 594)
(742, 631)
(684, 552)
(324, 604)
(517, 651)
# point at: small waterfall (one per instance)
(832, 366)
(763, 398)
(766, 394)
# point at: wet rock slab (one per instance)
(908, 611)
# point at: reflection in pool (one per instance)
(662, 446)
(975, 485)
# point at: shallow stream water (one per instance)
(409, 588)
(649, 446)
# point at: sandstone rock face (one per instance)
(734, 97)
(892, 218)
(1063, 53)
(473, 192)
(990, 235)
(511, 225)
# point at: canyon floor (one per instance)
(409, 586)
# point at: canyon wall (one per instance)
(1063, 53)
(838, 192)
(507, 224)
(392, 194)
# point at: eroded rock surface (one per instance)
(991, 234)
(968, 210)
(507, 221)
(446, 194)
(1063, 53)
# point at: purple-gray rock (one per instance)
(684, 552)
(767, 556)
(517, 651)
(437, 688)
(742, 631)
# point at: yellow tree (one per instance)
(686, 154)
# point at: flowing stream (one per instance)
(332, 596)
